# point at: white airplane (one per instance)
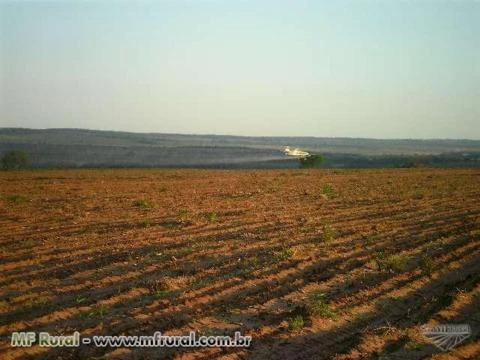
(296, 152)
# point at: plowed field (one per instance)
(327, 264)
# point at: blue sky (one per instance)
(383, 69)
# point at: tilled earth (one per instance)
(313, 264)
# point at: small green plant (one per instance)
(395, 263)
(296, 323)
(427, 265)
(171, 223)
(328, 234)
(211, 216)
(328, 190)
(248, 266)
(160, 294)
(100, 311)
(284, 254)
(162, 189)
(80, 299)
(229, 309)
(16, 199)
(142, 204)
(145, 223)
(317, 306)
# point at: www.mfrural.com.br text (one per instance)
(45, 339)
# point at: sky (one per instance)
(372, 69)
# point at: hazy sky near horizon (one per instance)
(383, 69)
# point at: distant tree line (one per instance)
(14, 159)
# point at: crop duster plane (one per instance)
(296, 152)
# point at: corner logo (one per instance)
(446, 337)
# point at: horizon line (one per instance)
(240, 136)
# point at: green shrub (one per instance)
(296, 323)
(317, 306)
(427, 265)
(284, 254)
(328, 190)
(328, 234)
(394, 263)
(211, 216)
(146, 223)
(14, 159)
(143, 204)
